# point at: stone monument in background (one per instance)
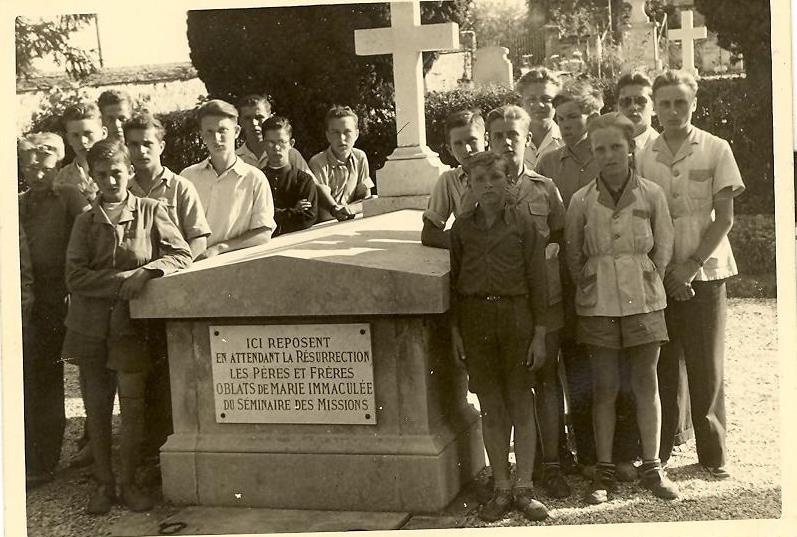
(687, 34)
(491, 66)
(408, 176)
(640, 40)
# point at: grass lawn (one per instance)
(56, 509)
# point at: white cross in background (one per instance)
(406, 39)
(687, 35)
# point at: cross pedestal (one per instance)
(411, 170)
(640, 40)
(687, 35)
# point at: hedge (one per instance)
(753, 241)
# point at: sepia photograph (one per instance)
(331, 266)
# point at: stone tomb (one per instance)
(315, 372)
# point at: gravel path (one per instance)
(56, 509)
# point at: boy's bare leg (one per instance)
(605, 385)
(496, 429)
(644, 383)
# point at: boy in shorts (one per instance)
(341, 171)
(465, 135)
(83, 128)
(498, 300)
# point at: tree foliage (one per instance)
(742, 27)
(304, 58)
(583, 17)
(41, 38)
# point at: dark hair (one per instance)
(337, 111)
(145, 121)
(81, 111)
(114, 96)
(275, 123)
(106, 150)
(484, 159)
(217, 107)
(254, 99)
(464, 118)
(672, 77)
(508, 112)
(635, 78)
(537, 75)
(588, 98)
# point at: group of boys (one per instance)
(234, 199)
(542, 149)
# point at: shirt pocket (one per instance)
(652, 284)
(699, 184)
(135, 249)
(587, 292)
(539, 211)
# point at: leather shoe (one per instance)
(531, 508)
(496, 507)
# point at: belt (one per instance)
(494, 298)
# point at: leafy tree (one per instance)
(742, 27)
(581, 17)
(40, 38)
(270, 50)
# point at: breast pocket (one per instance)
(539, 210)
(699, 184)
(135, 249)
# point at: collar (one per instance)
(129, 209)
(553, 134)
(333, 160)
(531, 174)
(626, 198)
(478, 220)
(238, 166)
(665, 156)
(581, 149)
(166, 177)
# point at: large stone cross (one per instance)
(687, 35)
(412, 169)
(406, 39)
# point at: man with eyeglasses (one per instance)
(46, 215)
(538, 88)
(635, 101)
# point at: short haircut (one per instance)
(588, 98)
(145, 121)
(635, 78)
(337, 111)
(253, 99)
(673, 77)
(107, 150)
(508, 112)
(217, 107)
(464, 118)
(47, 142)
(81, 111)
(537, 75)
(114, 96)
(613, 120)
(484, 159)
(275, 123)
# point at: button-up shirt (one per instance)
(98, 253)
(235, 202)
(295, 159)
(182, 202)
(47, 218)
(338, 178)
(569, 168)
(446, 197)
(703, 166)
(641, 140)
(505, 259)
(617, 252)
(73, 174)
(288, 186)
(551, 141)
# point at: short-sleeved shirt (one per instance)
(295, 159)
(235, 202)
(47, 218)
(340, 179)
(182, 202)
(446, 197)
(703, 166)
(143, 237)
(73, 174)
(506, 259)
(551, 141)
(618, 248)
(569, 168)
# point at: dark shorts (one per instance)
(496, 336)
(623, 332)
(128, 354)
